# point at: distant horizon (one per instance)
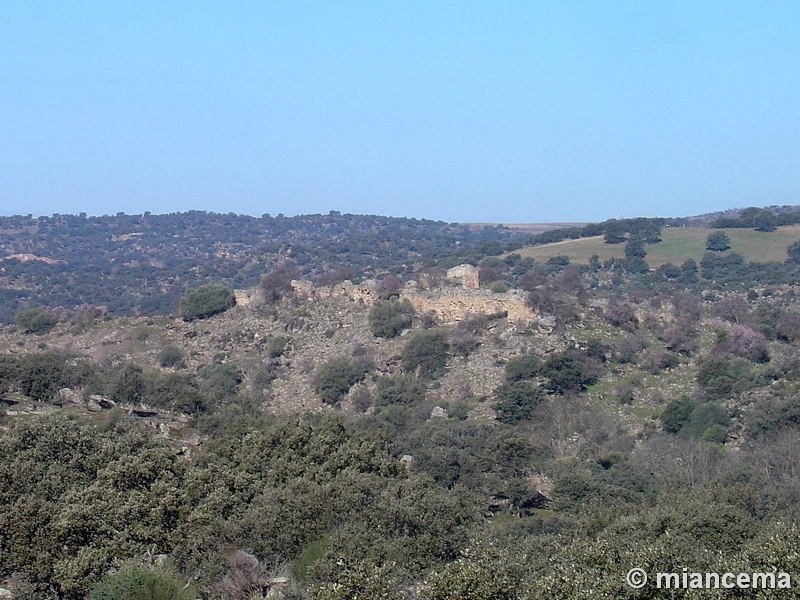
(510, 224)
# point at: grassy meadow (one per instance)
(678, 244)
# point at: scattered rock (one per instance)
(438, 413)
(68, 396)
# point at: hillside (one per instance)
(677, 246)
(286, 447)
(141, 264)
(412, 435)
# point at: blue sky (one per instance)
(460, 111)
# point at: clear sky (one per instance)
(461, 111)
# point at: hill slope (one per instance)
(677, 245)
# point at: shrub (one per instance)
(263, 375)
(765, 221)
(35, 320)
(388, 287)
(220, 380)
(743, 342)
(570, 371)
(205, 301)
(400, 389)
(732, 308)
(634, 248)
(427, 353)
(625, 394)
(171, 356)
(716, 434)
(362, 399)
(677, 413)
(668, 271)
(127, 384)
(597, 348)
(336, 276)
(793, 252)
(499, 287)
(655, 361)
(680, 339)
(277, 284)
(464, 336)
(626, 349)
(334, 379)
(137, 583)
(721, 377)
(276, 346)
(520, 368)
(516, 400)
(718, 241)
(704, 417)
(787, 326)
(689, 271)
(621, 313)
(387, 318)
(41, 375)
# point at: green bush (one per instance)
(276, 346)
(718, 241)
(400, 389)
(387, 318)
(41, 375)
(708, 416)
(516, 400)
(716, 434)
(137, 583)
(522, 367)
(722, 377)
(677, 413)
(128, 384)
(220, 380)
(570, 371)
(335, 378)
(35, 320)
(426, 353)
(170, 356)
(206, 301)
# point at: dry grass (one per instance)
(678, 245)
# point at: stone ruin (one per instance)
(451, 304)
(466, 275)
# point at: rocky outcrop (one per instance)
(33, 257)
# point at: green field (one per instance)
(678, 245)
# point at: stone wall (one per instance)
(245, 297)
(363, 292)
(454, 304)
(450, 304)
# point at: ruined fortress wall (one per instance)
(454, 304)
(359, 293)
(245, 297)
(450, 304)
